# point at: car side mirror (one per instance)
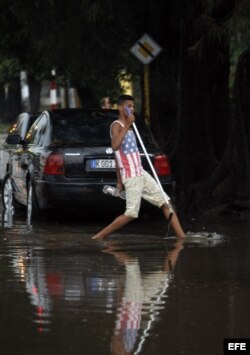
(14, 139)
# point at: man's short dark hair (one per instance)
(123, 98)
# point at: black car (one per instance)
(20, 127)
(66, 159)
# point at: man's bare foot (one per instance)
(97, 237)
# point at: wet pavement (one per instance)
(62, 293)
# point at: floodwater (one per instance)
(62, 293)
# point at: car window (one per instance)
(39, 133)
(146, 134)
(91, 128)
(18, 127)
(86, 130)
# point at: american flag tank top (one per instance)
(128, 157)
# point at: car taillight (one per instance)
(162, 165)
(54, 165)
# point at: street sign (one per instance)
(146, 49)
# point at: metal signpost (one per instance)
(146, 50)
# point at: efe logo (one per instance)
(237, 346)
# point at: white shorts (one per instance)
(139, 187)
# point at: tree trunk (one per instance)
(203, 105)
(228, 188)
(241, 125)
(35, 91)
(2, 100)
(13, 101)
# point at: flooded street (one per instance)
(62, 293)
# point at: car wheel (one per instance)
(32, 206)
(7, 193)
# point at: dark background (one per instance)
(199, 83)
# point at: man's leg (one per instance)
(175, 224)
(133, 188)
(117, 223)
(153, 194)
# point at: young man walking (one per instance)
(137, 182)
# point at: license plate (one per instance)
(102, 164)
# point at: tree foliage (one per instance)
(194, 97)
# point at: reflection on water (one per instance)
(7, 217)
(54, 275)
(141, 299)
(62, 292)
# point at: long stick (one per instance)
(167, 198)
